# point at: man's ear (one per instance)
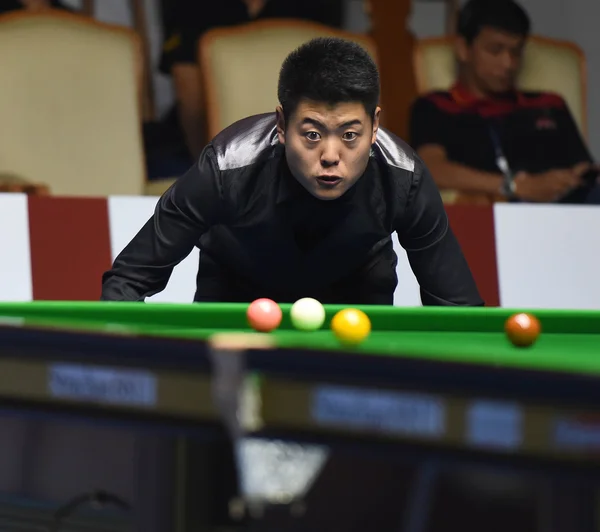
(280, 124)
(376, 116)
(461, 49)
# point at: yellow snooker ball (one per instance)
(351, 326)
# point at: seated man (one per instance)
(185, 21)
(484, 136)
(303, 202)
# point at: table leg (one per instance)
(153, 507)
(270, 472)
(420, 501)
(567, 505)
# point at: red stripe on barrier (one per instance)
(475, 230)
(70, 247)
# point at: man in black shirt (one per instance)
(184, 22)
(303, 202)
(485, 136)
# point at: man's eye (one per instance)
(350, 135)
(312, 136)
(495, 50)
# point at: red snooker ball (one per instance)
(522, 329)
(264, 315)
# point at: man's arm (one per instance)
(576, 147)
(434, 253)
(182, 29)
(182, 215)
(450, 175)
(430, 133)
(190, 108)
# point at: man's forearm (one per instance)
(454, 176)
(444, 274)
(118, 288)
(435, 256)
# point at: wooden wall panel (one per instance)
(389, 19)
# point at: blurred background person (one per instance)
(485, 136)
(174, 143)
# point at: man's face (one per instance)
(327, 146)
(493, 59)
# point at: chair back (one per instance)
(240, 65)
(70, 110)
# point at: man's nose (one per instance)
(509, 62)
(330, 156)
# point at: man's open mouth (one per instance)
(329, 180)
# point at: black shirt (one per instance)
(262, 235)
(185, 21)
(535, 130)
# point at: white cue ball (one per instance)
(307, 314)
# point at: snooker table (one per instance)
(428, 382)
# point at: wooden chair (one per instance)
(240, 65)
(71, 104)
(548, 65)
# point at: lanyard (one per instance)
(501, 160)
(508, 187)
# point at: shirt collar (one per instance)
(464, 97)
(287, 187)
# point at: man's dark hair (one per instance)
(329, 70)
(505, 15)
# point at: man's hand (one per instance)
(582, 168)
(36, 5)
(549, 186)
(15, 183)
